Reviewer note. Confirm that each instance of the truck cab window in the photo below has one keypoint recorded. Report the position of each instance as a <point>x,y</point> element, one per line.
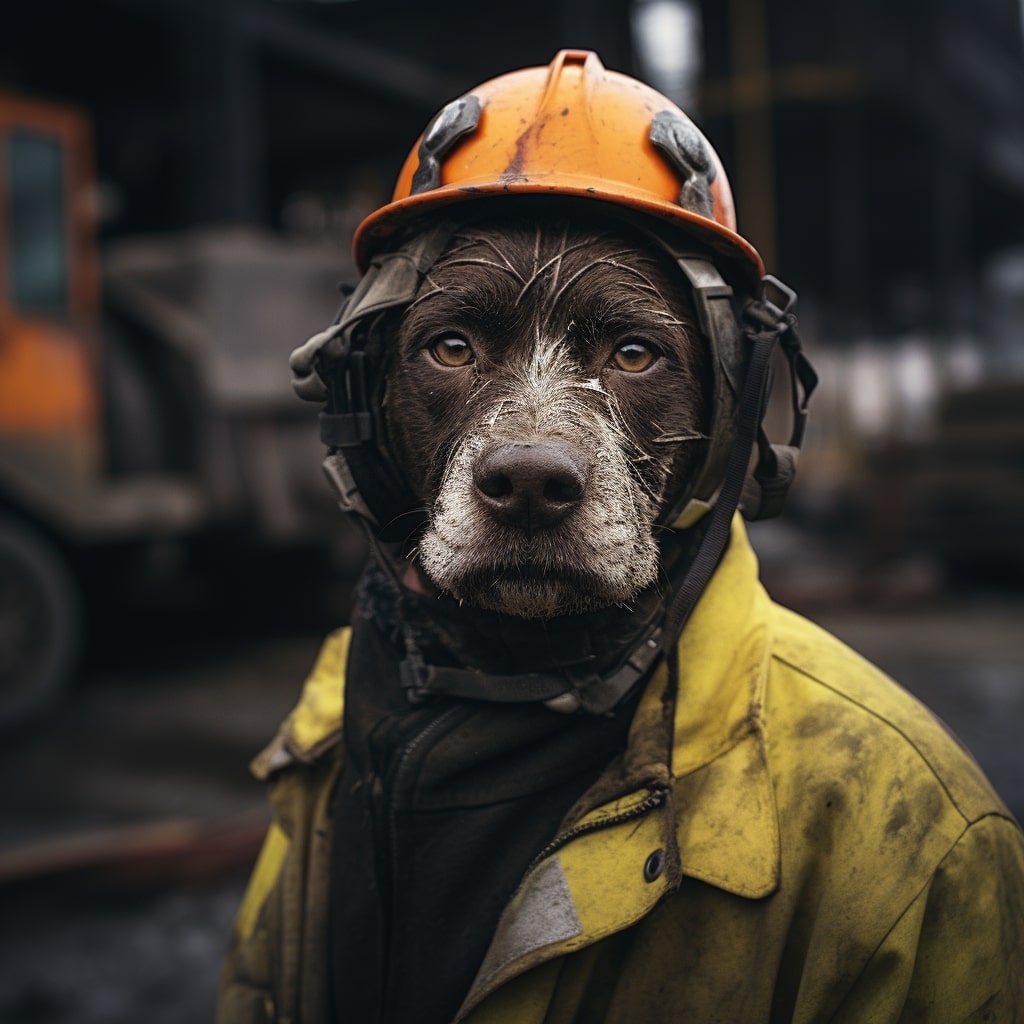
<point>38,257</point>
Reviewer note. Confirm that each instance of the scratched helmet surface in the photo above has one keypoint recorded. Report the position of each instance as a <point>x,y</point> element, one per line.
<point>572,128</point>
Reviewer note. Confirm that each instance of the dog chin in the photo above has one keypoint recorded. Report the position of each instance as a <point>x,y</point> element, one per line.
<point>533,598</point>
<point>535,592</point>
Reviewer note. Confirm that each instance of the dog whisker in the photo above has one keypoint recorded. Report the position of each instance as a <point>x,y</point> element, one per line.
<point>477,261</point>
<point>492,416</point>
<point>681,438</point>
<point>490,243</point>
<point>435,289</point>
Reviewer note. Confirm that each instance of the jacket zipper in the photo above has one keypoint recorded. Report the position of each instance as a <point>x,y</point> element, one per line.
<point>398,779</point>
<point>402,768</point>
<point>656,796</point>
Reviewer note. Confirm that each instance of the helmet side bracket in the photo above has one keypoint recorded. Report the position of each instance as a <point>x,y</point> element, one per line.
<point>731,341</point>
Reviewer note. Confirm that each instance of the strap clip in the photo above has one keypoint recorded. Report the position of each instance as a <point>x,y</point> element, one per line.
<point>782,292</point>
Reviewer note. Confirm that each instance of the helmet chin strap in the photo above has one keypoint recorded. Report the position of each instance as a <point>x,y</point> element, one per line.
<point>584,662</point>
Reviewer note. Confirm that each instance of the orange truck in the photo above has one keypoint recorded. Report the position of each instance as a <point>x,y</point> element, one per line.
<point>144,395</point>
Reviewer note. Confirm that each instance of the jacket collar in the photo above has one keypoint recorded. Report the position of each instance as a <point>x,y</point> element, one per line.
<point>722,795</point>
<point>314,725</point>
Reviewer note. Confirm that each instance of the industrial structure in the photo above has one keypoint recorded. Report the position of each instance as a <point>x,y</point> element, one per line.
<point>206,162</point>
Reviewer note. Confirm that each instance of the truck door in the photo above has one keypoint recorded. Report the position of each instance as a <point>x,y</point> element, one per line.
<point>48,298</point>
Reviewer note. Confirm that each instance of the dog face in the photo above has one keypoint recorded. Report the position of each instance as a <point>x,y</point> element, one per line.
<point>540,398</point>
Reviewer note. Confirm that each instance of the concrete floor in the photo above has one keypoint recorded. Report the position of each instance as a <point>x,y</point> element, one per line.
<point>162,732</point>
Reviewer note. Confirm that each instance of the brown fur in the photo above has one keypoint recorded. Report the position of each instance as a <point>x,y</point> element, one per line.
<point>544,307</point>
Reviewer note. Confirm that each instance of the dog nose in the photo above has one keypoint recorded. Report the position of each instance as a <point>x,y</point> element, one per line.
<point>532,485</point>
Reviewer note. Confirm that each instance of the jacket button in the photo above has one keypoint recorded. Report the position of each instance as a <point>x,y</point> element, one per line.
<point>654,866</point>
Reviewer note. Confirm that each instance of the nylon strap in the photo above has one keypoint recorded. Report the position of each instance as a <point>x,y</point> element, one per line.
<point>597,695</point>
<point>717,535</point>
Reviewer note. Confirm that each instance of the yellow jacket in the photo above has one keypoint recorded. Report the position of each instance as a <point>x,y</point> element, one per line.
<point>810,845</point>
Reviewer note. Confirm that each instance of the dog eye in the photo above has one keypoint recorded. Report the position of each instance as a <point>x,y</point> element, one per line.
<point>633,356</point>
<point>451,350</point>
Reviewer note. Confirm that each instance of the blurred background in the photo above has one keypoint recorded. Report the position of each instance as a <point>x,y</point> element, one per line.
<point>179,181</point>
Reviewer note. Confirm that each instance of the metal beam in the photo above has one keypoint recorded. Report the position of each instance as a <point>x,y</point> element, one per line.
<point>343,56</point>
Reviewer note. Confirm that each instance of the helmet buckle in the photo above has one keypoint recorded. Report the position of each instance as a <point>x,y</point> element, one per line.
<point>776,292</point>
<point>350,422</point>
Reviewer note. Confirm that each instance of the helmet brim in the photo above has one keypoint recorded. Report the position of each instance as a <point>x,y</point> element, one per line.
<point>377,231</point>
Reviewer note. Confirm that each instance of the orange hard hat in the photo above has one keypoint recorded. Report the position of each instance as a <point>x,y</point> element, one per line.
<point>572,128</point>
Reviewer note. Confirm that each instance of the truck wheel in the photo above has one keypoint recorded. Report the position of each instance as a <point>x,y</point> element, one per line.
<point>40,623</point>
